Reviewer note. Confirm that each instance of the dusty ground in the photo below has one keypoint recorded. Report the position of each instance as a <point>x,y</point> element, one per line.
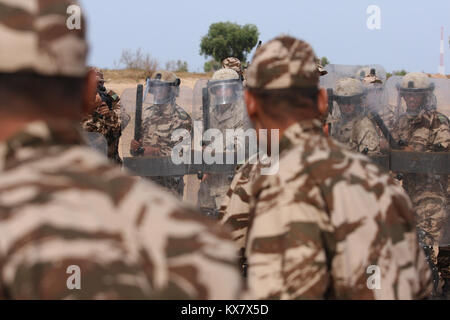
<point>119,80</point>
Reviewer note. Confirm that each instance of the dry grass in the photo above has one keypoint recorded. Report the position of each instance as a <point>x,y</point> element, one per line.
<point>137,75</point>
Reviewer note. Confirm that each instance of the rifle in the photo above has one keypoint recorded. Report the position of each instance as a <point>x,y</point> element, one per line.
<point>386,133</point>
<point>101,90</point>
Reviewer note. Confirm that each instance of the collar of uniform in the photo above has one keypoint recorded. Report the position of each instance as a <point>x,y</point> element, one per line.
<point>40,133</point>
<point>293,135</point>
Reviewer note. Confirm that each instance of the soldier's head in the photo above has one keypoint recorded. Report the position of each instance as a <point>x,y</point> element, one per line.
<point>283,84</point>
<point>224,87</point>
<point>416,89</point>
<point>233,64</point>
<point>164,86</point>
<point>100,77</point>
<point>348,94</point>
<point>43,73</point>
<point>368,76</point>
<point>320,68</point>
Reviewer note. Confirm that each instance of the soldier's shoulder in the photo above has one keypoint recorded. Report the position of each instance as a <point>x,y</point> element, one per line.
<point>442,118</point>
<point>182,113</point>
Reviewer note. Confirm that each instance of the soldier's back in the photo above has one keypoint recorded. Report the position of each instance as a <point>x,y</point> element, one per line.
<point>326,222</point>
<point>64,208</point>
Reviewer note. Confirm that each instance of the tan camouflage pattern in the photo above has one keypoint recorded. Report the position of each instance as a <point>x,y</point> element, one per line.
<point>110,126</point>
<point>328,215</point>
<point>159,123</point>
<point>214,188</point>
<point>234,212</point>
<point>62,204</point>
<point>348,87</point>
<point>359,134</point>
<point>38,39</point>
<point>225,74</point>
<point>233,64</point>
<point>371,79</point>
<point>427,131</point>
<point>420,80</point>
<point>284,62</point>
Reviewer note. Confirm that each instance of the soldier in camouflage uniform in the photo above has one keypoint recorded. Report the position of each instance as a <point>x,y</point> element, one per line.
<point>354,129</point>
<point>227,112</point>
<point>63,205</point>
<point>421,128</point>
<point>233,64</point>
<point>375,99</point>
<point>159,122</point>
<point>106,118</point>
<point>319,224</point>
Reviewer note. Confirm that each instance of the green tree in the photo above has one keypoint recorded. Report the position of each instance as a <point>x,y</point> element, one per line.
<point>396,73</point>
<point>212,65</point>
<point>226,39</point>
<point>324,61</point>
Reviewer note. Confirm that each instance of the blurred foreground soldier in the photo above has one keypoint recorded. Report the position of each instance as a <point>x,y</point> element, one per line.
<point>106,118</point>
<point>328,214</point>
<point>159,122</point>
<point>227,111</point>
<point>354,128</point>
<point>66,213</point>
<point>421,128</point>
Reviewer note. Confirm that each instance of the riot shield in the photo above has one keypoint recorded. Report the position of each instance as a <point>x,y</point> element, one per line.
<point>439,100</point>
<point>339,71</point>
<point>353,109</point>
<point>425,174</point>
<point>96,141</point>
<point>158,137</point>
<point>220,113</point>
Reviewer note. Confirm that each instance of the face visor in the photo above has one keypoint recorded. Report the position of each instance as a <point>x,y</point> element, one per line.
<point>163,92</point>
<point>225,92</point>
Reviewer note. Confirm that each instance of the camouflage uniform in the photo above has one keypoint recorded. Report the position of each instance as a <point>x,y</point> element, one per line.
<point>159,122</point>
<point>157,127</point>
<point>317,225</point>
<point>427,130</point>
<point>357,130</point>
<point>233,64</point>
<point>110,126</point>
<point>214,188</point>
<point>62,205</point>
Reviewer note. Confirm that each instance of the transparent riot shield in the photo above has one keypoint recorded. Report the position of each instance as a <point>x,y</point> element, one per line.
<point>356,111</point>
<point>424,167</point>
<point>96,141</point>
<point>156,144</point>
<point>440,100</point>
<point>220,113</point>
<point>338,71</point>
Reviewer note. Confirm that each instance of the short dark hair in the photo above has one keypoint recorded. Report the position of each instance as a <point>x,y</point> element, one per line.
<point>41,91</point>
<point>282,103</point>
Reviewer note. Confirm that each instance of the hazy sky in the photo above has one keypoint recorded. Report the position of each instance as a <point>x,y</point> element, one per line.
<point>171,30</point>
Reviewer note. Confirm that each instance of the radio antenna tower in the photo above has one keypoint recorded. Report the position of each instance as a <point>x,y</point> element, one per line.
<point>441,65</point>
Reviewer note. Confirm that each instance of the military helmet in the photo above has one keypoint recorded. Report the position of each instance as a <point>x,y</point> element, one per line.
<point>233,64</point>
<point>164,86</point>
<point>223,81</point>
<point>416,82</point>
<point>368,75</point>
<point>348,87</point>
<point>364,72</point>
